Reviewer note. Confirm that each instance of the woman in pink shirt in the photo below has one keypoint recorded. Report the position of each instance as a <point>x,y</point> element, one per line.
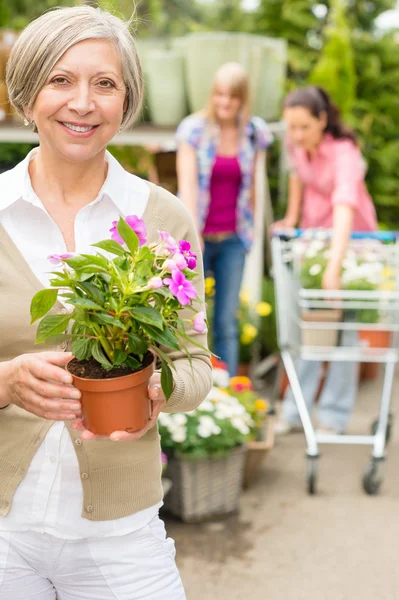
<point>326,189</point>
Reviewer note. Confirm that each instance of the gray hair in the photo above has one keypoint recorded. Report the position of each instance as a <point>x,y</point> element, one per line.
<point>44,41</point>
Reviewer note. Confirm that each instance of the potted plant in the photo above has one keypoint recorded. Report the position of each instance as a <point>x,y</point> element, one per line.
<point>206,456</point>
<point>261,437</point>
<point>124,305</point>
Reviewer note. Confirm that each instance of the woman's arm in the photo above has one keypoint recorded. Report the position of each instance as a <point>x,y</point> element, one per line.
<point>342,227</point>
<point>187,178</point>
<point>295,196</point>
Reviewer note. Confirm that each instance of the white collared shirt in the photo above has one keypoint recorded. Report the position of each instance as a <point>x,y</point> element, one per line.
<point>50,498</point>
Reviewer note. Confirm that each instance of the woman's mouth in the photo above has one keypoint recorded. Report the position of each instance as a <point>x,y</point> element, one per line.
<point>79,130</point>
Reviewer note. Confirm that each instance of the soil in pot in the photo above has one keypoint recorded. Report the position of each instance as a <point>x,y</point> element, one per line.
<point>115,400</point>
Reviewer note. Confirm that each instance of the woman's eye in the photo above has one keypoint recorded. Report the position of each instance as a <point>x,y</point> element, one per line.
<point>60,80</point>
<point>106,84</point>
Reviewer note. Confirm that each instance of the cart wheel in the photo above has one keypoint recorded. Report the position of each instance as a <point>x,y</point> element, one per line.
<point>312,477</point>
<point>371,480</point>
<point>374,428</point>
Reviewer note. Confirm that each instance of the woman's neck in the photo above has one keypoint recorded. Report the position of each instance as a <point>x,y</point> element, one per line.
<point>59,181</point>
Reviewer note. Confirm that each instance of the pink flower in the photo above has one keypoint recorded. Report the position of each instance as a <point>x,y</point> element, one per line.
<point>56,259</point>
<point>136,224</point>
<point>170,264</point>
<point>181,287</point>
<point>155,283</point>
<point>169,242</point>
<point>191,257</point>
<point>180,261</point>
<point>199,322</point>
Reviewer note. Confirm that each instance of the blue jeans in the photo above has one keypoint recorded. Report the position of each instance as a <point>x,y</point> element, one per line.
<point>339,392</point>
<point>226,260</point>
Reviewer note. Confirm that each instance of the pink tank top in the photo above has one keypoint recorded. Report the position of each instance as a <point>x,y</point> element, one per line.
<point>224,190</point>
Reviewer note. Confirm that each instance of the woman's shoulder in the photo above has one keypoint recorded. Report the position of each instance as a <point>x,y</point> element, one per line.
<point>191,128</point>
<point>167,212</point>
<point>343,144</point>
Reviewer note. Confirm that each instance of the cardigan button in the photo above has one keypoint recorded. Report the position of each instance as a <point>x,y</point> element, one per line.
<point>64,345</point>
<point>90,508</point>
<point>78,442</point>
<point>85,476</point>
<point>64,311</point>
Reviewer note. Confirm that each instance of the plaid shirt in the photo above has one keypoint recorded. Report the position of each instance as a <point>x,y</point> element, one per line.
<point>198,132</point>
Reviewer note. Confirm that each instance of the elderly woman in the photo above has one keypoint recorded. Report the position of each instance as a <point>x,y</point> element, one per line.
<point>78,516</point>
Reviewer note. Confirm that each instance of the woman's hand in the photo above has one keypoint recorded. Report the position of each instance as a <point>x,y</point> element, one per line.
<point>39,384</point>
<point>332,277</point>
<point>286,223</point>
<point>158,401</point>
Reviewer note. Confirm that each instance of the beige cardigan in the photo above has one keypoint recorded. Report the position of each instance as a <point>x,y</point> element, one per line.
<point>118,478</point>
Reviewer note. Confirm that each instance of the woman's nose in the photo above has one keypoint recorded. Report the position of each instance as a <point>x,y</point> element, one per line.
<point>82,101</point>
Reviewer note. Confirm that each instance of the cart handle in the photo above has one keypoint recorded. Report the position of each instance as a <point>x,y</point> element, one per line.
<point>381,236</point>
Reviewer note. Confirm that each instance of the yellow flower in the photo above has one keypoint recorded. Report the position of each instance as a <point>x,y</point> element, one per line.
<point>261,405</point>
<point>388,273</point>
<point>249,330</point>
<point>210,286</point>
<point>263,309</point>
<point>244,297</point>
<point>388,286</point>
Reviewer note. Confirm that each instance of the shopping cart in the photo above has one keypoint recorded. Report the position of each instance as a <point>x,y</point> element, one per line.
<point>302,334</point>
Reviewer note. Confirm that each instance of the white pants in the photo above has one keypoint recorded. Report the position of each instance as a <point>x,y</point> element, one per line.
<point>137,566</point>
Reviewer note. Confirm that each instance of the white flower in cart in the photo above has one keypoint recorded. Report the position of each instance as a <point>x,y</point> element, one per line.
<point>315,269</point>
<point>179,434</point>
<point>239,424</point>
<point>207,427</point>
<point>220,378</point>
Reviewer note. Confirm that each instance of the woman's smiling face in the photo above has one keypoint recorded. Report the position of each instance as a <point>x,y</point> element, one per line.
<point>81,106</point>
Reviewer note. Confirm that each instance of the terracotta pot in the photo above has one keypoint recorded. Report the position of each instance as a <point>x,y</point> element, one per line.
<point>118,404</point>
<point>373,338</point>
<point>320,336</point>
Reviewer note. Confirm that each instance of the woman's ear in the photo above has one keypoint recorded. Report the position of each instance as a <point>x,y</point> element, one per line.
<point>323,118</point>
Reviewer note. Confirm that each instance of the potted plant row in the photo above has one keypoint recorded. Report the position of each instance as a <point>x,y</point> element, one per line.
<point>124,302</point>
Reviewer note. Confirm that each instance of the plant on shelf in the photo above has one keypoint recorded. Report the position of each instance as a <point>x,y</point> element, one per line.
<point>124,304</point>
<point>258,408</point>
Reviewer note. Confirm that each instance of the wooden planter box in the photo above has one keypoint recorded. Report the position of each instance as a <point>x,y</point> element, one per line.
<point>206,488</point>
<point>256,454</point>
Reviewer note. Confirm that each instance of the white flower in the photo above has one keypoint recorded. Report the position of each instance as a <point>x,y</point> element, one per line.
<point>315,269</point>
<point>239,424</point>
<point>179,419</point>
<point>220,378</point>
<point>206,405</point>
<point>179,434</point>
<point>207,427</point>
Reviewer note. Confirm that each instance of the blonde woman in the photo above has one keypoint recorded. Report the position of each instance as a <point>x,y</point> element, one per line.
<point>78,516</point>
<point>217,151</point>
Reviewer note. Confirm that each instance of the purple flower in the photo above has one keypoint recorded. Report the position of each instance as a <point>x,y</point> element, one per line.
<point>170,264</point>
<point>169,242</point>
<point>136,224</point>
<point>56,259</point>
<point>164,458</point>
<point>180,261</point>
<point>191,257</point>
<point>199,323</point>
<point>181,287</point>
<point>155,283</point>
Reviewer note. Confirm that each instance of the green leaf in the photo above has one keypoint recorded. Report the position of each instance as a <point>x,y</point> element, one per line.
<point>107,320</point>
<point>99,355</point>
<point>76,262</point>
<point>85,303</point>
<point>41,303</point>
<point>164,357</point>
<point>166,380</point>
<point>119,357</point>
<point>111,246</point>
<point>54,340</point>
<point>133,363</point>
<point>127,234</point>
<point>95,259</point>
<point>136,344</point>
<point>51,325</point>
<point>93,291</point>
<point>81,348</point>
<point>166,337</point>
<point>147,314</point>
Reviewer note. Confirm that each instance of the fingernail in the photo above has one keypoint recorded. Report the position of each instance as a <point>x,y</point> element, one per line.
<point>156,390</point>
<point>75,406</point>
<point>67,379</point>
